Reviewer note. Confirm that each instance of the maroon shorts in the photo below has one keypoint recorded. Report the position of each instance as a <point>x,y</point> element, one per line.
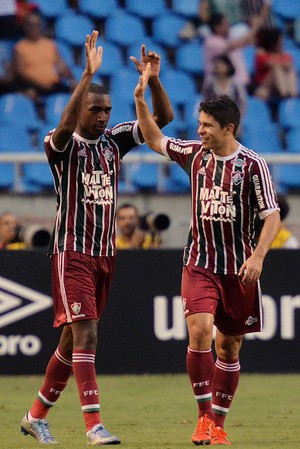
<point>237,308</point>
<point>80,286</point>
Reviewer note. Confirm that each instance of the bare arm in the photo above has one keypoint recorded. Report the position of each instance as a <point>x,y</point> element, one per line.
<point>70,115</point>
<point>150,130</point>
<point>162,108</point>
<point>251,269</point>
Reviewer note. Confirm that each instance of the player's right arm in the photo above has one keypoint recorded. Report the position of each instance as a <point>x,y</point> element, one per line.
<point>151,132</point>
<point>71,113</point>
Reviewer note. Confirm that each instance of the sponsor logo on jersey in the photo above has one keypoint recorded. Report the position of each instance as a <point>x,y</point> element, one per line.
<point>217,204</point>
<point>239,163</point>
<point>181,149</point>
<point>258,192</point>
<point>97,187</point>
<point>121,128</point>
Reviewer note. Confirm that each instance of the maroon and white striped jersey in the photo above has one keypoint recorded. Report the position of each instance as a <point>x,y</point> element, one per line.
<point>227,194</point>
<point>86,183</point>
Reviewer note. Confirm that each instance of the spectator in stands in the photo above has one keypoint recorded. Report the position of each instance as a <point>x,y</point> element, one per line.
<point>284,239</point>
<point>129,233</point>
<point>240,16</point>
<point>12,14</point>
<point>9,232</point>
<point>219,43</point>
<point>275,73</point>
<point>38,67</point>
<point>222,82</point>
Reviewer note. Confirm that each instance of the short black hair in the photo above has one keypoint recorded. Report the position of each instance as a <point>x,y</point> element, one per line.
<point>215,20</point>
<point>227,61</point>
<point>98,89</point>
<point>224,110</point>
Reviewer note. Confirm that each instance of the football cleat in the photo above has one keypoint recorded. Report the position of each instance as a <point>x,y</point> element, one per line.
<point>98,435</point>
<point>203,433</point>
<point>219,436</point>
<point>38,430</point>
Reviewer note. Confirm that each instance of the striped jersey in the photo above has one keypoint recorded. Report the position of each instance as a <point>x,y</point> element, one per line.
<point>86,183</point>
<point>227,195</point>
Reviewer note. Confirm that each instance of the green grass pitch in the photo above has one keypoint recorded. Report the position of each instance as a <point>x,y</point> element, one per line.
<point>158,412</point>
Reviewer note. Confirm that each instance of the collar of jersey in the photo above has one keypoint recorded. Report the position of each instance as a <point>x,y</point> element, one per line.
<point>86,140</point>
<point>231,156</point>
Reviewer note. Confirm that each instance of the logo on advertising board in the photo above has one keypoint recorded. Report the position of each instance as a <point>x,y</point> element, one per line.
<point>18,302</point>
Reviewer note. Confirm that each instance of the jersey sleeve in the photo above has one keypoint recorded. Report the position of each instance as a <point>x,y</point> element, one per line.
<point>263,189</point>
<point>126,136</point>
<point>180,151</point>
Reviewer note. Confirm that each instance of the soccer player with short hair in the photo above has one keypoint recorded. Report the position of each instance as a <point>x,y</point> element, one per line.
<point>223,261</point>
<point>85,158</point>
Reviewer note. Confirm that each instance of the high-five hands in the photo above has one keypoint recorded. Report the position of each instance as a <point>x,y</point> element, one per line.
<point>147,57</point>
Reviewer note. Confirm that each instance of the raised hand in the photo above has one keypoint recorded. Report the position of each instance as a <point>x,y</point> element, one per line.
<point>147,57</point>
<point>93,54</point>
<point>143,81</point>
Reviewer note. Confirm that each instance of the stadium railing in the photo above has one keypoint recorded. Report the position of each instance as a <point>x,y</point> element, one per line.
<point>274,161</point>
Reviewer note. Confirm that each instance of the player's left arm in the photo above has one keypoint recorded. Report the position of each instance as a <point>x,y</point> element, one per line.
<point>251,269</point>
<point>161,105</point>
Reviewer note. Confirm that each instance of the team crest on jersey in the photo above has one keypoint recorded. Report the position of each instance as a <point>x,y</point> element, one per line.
<point>251,320</point>
<point>76,307</point>
<point>237,177</point>
<point>107,153</point>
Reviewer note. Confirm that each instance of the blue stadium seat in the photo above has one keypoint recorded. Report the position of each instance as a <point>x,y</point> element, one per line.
<point>289,177</point>
<point>293,140</point>
<point>189,57</point>
<point>179,85</point>
<point>289,113</point>
<point>7,175</point>
<point>249,58</point>
<point>144,176</point>
<point>178,180</point>
<point>37,176</point>
<point>18,109</point>
<point>52,9</point>
<point>286,9</point>
<point>112,58</point>
<point>257,113</point>
<point>14,139</point>
<point>122,111</point>
<point>124,29</point>
<point>54,106</point>
<point>166,29</point>
<point>98,10</point>
<point>123,83</point>
<point>72,28</point>
<point>152,9</point>
<point>262,139</point>
<point>66,52</point>
<point>186,8</point>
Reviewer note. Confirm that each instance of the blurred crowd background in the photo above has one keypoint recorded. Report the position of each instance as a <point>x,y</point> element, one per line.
<point>249,49</point>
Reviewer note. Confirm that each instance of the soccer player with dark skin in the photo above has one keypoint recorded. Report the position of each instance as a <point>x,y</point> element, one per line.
<point>230,184</point>
<point>85,158</point>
